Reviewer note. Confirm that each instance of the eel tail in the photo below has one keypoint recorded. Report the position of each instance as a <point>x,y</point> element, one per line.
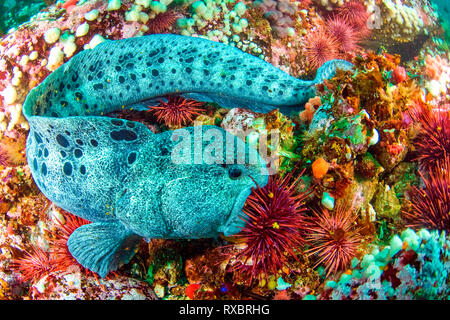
<point>329,68</point>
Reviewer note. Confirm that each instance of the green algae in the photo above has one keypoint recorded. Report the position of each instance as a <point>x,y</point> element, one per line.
<point>13,13</point>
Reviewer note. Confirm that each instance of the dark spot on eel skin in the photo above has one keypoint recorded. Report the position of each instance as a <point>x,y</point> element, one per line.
<point>132,158</point>
<point>94,143</point>
<point>44,169</point>
<point>117,122</point>
<point>38,137</point>
<point>98,86</point>
<point>62,141</point>
<point>67,168</point>
<point>164,151</point>
<point>124,134</point>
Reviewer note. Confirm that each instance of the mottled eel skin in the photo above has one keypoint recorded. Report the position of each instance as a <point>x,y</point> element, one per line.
<point>121,176</point>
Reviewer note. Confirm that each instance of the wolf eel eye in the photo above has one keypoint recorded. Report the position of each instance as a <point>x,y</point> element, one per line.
<point>234,172</point>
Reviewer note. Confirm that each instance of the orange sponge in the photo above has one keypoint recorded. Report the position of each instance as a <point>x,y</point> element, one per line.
<point>320,168</point>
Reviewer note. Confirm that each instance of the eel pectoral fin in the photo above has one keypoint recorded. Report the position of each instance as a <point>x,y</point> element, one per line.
<point>103,246</point>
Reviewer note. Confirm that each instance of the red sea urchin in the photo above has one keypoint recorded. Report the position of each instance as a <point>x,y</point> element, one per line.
<point>320,47</point>
<point>433,142</point>
<point>177,111</point>
<point>34,265</point>
<point>355,13</point>
<point>430,206</point>
<point>60,252</point>
<point>162,22</point>
<point>344,34</point>
<point>274,227</point>
<point>333,238</point>
<point>62,258</point>
<point>38,263</point>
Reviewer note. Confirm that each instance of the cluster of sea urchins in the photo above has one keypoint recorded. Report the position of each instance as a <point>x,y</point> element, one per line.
<point>36,263</point>
<point>430,204</point>
<point>340,35</point>
<point>277,228</point>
